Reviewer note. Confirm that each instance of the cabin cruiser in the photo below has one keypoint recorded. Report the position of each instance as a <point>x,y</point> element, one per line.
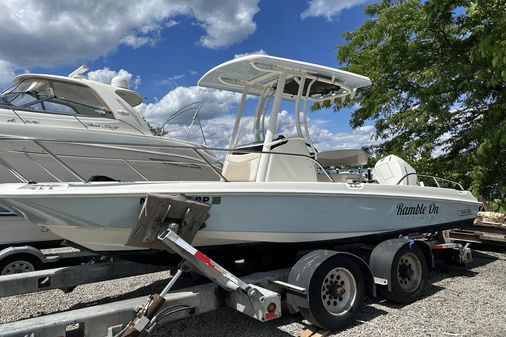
<point>70,128</point>
<point>274,191</point>
<point>56,128</point>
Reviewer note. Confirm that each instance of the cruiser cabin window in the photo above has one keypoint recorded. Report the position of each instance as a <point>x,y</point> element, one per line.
<point>55,97</point>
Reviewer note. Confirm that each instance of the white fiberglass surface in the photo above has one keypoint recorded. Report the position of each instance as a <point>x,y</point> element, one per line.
<point>15,229</point>
<point>299,212</point>
<point>217,188</point>
<point>107,220</point>
<point>101,215</point>
<point>254,68</point>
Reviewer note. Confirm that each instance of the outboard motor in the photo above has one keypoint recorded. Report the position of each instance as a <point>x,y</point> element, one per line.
<point>391,169</point>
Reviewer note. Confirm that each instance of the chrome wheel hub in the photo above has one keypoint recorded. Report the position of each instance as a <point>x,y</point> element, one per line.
<point>339,291</point>
<point>409,272</point>
<point>17,267</point>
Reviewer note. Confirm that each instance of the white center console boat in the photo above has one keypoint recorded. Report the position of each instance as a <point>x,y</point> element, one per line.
<point>276,191</point>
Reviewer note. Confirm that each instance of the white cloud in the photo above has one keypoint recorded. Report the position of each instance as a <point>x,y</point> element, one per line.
<point>216,130</point>
<point>172,80</point>
<point>225,21</point>
<point>176,77</point>
<point>215,104</point>
<point>7,74</point>
<point>57,32</point>
<point>328,8</point>
<point>258,52</point>
<point>354,139</point>
<point>105,75</point>
<point>148,34</point>
<point>219,130</point>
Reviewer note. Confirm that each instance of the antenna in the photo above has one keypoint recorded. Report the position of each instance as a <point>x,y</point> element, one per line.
<point>78,73</point>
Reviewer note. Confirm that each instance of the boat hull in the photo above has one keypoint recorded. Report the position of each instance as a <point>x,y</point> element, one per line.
<point>101,217</point>
<point>91,153</point>
<point>16,231</point>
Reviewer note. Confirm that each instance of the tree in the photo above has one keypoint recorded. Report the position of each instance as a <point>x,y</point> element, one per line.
<point>438,96</point>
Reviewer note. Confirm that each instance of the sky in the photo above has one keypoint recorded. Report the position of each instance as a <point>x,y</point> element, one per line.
<point>164,47</point>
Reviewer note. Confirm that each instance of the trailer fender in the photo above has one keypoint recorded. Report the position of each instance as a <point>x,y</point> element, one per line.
<point>380,262</point>
<point>303,270</point>
<point>21,259</point>
<point>26,250</point>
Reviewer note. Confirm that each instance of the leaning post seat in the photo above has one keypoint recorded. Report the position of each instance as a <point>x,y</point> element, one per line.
<point>241,166</point>
<point>244,166</point>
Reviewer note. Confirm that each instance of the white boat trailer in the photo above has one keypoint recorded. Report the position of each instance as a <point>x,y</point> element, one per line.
<point>318,285</point>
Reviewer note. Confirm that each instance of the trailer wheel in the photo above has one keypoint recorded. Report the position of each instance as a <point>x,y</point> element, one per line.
<point>22,263</point>
<point>336,292</point>
<point>409,276</point>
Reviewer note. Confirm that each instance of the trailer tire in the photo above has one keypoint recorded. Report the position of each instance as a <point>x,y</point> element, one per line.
<point>336,292</point>
<point>408,276</point>
<point>20,263</point>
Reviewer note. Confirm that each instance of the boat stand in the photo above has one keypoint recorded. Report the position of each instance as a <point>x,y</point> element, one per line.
<point>163,222</point>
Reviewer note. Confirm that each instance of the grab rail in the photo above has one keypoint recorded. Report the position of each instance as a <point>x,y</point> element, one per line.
<point>55,157</point>
<point>37,111</point>
<point>76,117</point>
<point>430,176</point>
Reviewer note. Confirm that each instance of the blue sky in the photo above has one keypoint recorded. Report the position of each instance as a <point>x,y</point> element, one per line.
<point>163,47</point>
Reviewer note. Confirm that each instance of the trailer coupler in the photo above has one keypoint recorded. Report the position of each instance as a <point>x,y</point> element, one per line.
<point>148,315</point>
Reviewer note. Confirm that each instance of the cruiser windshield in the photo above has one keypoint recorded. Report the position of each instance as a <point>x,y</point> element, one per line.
<point>55,97</point>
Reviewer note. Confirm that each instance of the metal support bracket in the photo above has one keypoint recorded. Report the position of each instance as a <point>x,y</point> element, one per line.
<point>170,223</point>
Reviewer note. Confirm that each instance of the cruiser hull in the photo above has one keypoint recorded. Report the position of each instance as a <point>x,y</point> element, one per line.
<point>16,231</point>
<point>75,156</point>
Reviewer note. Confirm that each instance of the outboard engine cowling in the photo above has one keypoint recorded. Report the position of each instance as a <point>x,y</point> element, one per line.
<point>391,169</point>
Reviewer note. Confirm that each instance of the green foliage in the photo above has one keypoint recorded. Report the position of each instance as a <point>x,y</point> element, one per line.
<point>498,205</point>
<point>438,97</point>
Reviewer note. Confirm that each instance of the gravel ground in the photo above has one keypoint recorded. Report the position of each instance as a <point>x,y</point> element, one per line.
<point>458,303</point>
<point>60,250</point>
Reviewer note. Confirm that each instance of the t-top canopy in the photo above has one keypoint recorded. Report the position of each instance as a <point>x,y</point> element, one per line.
<point>260,72</point>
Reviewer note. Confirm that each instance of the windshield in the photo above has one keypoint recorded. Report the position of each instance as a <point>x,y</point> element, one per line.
<point>55,97</point>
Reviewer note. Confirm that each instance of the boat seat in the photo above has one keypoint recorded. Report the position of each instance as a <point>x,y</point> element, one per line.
<point>241,167</point>
<point>244,166</point>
